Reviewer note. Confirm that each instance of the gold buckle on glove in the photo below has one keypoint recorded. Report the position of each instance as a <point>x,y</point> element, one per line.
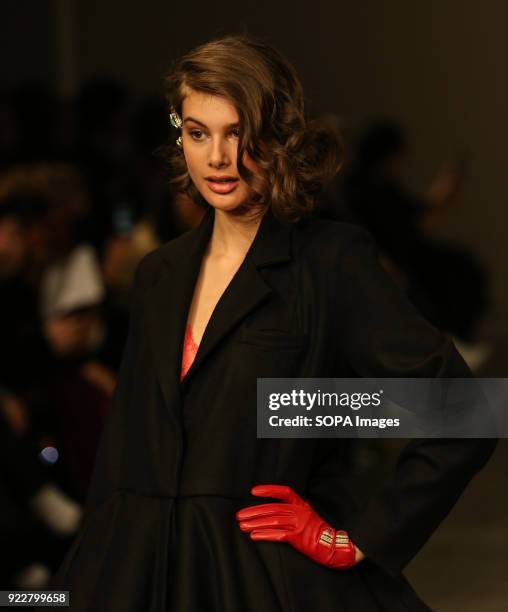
<point>341,539</point>
<point>326,536</point>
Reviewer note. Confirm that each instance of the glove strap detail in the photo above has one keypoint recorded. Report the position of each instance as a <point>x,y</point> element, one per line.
<point>342,540</point>
<point>326,537</point>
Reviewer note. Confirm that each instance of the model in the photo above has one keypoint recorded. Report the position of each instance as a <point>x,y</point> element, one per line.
<point>188,510</point>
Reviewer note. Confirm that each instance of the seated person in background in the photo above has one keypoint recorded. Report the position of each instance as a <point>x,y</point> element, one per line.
<point>445,282</point>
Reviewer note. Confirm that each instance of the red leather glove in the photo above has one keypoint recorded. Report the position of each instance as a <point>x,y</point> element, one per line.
<point>296,523</point>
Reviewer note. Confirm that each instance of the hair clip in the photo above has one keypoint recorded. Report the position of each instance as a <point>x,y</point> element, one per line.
<point>175,119</point>
<point>179,141</point>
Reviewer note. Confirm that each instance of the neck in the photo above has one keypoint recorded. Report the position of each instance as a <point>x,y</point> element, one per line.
<point>232,235</point>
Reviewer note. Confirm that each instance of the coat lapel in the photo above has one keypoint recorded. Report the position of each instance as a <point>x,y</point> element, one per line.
<point>168,301</point>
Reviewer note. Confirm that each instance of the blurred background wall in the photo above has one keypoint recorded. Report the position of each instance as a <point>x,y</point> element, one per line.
<point>436,65</point>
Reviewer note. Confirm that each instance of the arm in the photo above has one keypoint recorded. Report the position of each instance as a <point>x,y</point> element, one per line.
<point>382,335</point>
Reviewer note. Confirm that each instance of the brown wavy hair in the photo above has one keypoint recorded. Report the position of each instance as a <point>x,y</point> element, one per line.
<point>297,156</point>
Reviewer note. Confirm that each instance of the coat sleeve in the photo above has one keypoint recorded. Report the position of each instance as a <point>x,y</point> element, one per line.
<point>381,334</point>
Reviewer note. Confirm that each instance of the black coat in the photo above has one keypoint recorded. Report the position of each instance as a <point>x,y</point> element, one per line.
<point>177,460</point>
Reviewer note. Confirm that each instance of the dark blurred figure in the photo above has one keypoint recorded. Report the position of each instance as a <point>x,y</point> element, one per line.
<point>9,133</point>
<point>103,153</point>
<point>38,519</point>
<point>35,114</point>
<point>24,350</point>
<point>160,215</point>
<point>446,283</point>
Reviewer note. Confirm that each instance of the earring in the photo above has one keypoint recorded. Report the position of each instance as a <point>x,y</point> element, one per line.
<point>179,141</point>
<point>175,119</point>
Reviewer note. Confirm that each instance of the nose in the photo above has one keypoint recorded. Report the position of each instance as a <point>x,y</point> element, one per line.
<point>219,157</point>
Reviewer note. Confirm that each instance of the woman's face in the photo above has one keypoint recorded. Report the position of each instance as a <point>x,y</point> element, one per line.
<point>210,136</point>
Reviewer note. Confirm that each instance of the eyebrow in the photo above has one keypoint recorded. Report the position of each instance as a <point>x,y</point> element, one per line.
<point>229,125</point>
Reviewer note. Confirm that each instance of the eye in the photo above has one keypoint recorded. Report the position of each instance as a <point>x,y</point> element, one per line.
<point>235,132</point>
<point>196,134</point>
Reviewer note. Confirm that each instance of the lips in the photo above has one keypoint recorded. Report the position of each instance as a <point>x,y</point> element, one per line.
<point>222,184</point>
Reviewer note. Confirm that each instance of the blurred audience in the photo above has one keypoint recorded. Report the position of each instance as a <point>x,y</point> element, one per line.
<point>38,518</point>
